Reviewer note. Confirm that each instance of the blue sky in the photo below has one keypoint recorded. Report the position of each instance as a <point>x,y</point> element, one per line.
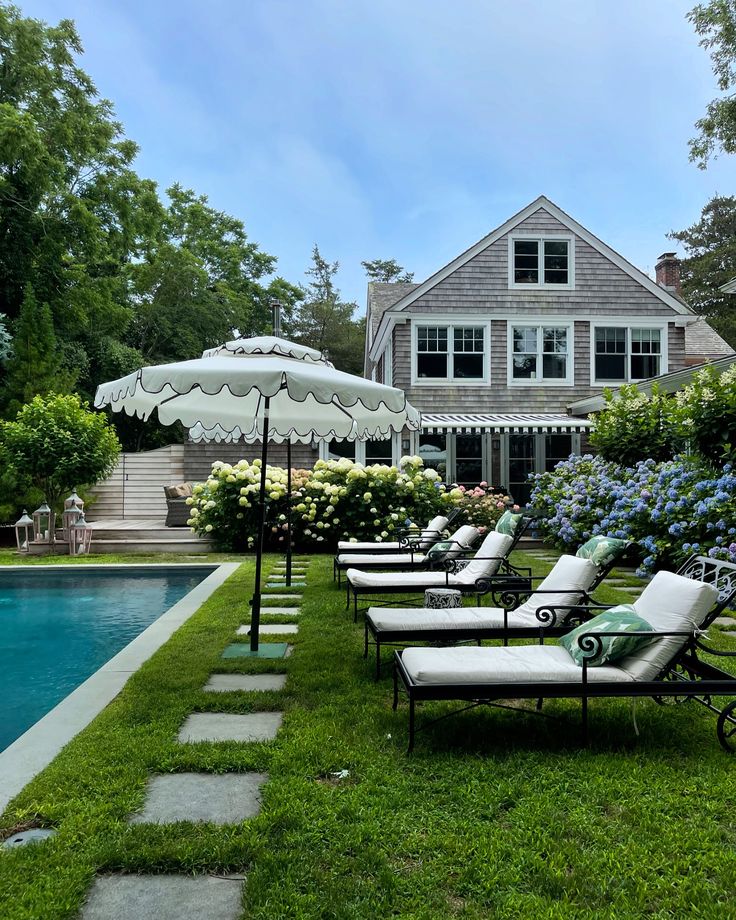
<point>409,129</point>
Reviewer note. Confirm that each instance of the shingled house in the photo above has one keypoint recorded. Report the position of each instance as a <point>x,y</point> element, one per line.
<point>496,345</point>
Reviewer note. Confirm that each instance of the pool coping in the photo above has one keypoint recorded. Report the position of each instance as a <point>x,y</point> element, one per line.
<point>38,746</point>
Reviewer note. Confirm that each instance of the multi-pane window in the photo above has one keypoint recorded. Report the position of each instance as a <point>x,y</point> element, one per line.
<point>540,353</point>
<point>432,351</point>
<point>445,352</point>
<point>623,354</point>
<point>379,452</point>
<point>467,356</point>
<point>541,262</point>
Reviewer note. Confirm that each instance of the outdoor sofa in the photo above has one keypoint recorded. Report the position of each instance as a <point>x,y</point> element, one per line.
<point>677,607</point>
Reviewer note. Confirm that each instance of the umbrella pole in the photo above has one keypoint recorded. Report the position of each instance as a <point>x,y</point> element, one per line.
<point>255,617</point>
<point>288,512</point>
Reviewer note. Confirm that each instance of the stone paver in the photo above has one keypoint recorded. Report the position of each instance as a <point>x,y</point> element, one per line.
<point>163,897</point>
<point>228,726</point>
<point>225,798</point>
<point>725,621</point>
<point>227,683</point>
<point>294,584</point>
<point>281,597</point>
<point>283,578</point>
<point>293,611</point>
<point>265,650</point>
<point>270,629</point>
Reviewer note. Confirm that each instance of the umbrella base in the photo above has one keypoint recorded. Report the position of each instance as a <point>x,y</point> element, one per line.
<point>265,650</point>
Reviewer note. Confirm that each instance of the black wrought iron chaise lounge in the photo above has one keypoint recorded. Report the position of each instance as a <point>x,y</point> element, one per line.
<point>489,565</point>
<point>676,607</point>
<point>519,613</point>
<point>406,538</point>
<point>410,560</point>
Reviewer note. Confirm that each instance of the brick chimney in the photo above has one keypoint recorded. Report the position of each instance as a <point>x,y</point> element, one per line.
<point>668,272</point>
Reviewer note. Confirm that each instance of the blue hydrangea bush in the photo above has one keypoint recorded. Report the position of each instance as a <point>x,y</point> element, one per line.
<point>670,508</point>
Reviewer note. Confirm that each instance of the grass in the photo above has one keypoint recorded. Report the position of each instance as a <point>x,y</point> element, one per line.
<point>497,814</point>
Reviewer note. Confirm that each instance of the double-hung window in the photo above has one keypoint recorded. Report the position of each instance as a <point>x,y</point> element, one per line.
<point>451,352</point>
<point>541,354</point>
<point>622,354</point>
<point>541,262</point>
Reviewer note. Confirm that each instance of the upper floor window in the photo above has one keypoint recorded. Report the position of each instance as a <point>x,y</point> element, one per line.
<point>450,353</point>
<point>541,354</point>
<point>622,354</point>
<point>541,262</point>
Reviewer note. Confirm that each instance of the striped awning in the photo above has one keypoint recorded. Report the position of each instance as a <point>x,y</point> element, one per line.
<point>516,422</point>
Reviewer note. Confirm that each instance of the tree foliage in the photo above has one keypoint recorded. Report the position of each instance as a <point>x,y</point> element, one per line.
<point>56,444</point>
<point>710,244</point>
<point>387,271</point>
<point>715,23</point>
<point>324,321</point>
<point>634,427</point>
<point>6,338</point>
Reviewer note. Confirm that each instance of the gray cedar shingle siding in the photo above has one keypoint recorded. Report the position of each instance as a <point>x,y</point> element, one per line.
<point>481,287</point>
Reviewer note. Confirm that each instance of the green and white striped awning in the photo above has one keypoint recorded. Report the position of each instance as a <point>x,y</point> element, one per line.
<point>543,422</point>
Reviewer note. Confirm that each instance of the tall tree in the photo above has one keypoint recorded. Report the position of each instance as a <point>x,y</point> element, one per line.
<point>324,321</point>
<point>715,23</point>
<point>386,270</point>
<point>35,366</point>
<point>710,244</point>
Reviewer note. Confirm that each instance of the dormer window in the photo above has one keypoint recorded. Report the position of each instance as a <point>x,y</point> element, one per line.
<point>540,262</point>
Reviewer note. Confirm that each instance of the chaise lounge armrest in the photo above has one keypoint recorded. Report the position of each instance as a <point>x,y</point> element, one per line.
<point>549,615</point>
<point>591,644</point>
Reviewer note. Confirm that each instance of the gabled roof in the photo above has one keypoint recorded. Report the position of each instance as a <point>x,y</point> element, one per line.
<point>543,203</point>
<point>702,341</point>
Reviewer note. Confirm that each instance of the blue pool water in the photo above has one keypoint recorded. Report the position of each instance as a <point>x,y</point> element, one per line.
<point>58,627</point>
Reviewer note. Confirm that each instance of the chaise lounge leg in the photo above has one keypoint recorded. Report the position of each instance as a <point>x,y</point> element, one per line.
<point>355,606</point>
<point>396,688</point>
<point>347,595</point>
<point>365,641</point>
<point>410,748</point>
<point>540,702</point>
<point>378,659</point>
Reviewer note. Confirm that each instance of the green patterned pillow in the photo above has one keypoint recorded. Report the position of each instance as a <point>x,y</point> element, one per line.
<point>439,550</point>
<point>623,618</point>
<point>602,550</point>
<point>508,523</point>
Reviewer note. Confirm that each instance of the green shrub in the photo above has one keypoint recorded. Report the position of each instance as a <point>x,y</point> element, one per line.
<point>634,426</point>
<point>706,414</point>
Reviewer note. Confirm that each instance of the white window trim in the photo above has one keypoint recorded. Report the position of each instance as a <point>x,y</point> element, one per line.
<point>388,364</point>
<point>395,441</point>
<point>538,323</point>
<point>450,324</point>
<point>658,323</point>
<point>540,238</point>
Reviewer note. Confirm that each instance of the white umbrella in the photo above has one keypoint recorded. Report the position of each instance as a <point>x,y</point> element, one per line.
<point>273,394</point>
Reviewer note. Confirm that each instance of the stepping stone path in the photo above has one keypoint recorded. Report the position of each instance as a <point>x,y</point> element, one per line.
<point>165,897</point>
<point>228,726</point>
<point>725,621</point>
<point>270,629</point>
<point>225,798</point>
<point>281,597</point>
<point>227,683</point>
<point>292,611</point>
<point>294,584</point>
<point>265,650</point>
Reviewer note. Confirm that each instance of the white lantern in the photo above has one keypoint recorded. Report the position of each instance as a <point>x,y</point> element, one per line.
<point>80,537</point>
<point>44,521</point>
<point>23,531</point>
<point>70,516</point>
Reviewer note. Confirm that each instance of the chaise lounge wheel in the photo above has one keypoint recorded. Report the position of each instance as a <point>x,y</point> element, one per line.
<point>726,728</point>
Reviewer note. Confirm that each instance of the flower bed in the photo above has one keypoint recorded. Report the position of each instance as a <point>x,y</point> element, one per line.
<point>671,509</point>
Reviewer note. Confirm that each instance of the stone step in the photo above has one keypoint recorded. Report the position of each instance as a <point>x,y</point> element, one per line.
<point>165,897</point>
<point>281,597</point>
<point>270,629</point>
<point>230,683</point>
<point>292,611</point>
<point>229,726</point>
<point>194,545</point>
<point>225,798</point>
<point>142,533</point>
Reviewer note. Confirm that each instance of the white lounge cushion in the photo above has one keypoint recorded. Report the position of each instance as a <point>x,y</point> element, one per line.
<point>566,583</point>
<point>462,539</point>
<point>508,665</point>
<point>378,559</point>
<point>367,546</point>
<point>496,545</point>
<point>433,532</point>
<point>669,602</point>
<point>398,618</point>
<point>412,581</point>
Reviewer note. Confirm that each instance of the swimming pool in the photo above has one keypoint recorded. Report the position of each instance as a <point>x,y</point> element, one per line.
<point>58,626</point>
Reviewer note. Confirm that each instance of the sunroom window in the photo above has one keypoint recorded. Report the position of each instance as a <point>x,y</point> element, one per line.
<point>541,262</point>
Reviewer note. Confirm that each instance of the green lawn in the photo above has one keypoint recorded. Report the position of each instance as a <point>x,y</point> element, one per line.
<point>497,814</point>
